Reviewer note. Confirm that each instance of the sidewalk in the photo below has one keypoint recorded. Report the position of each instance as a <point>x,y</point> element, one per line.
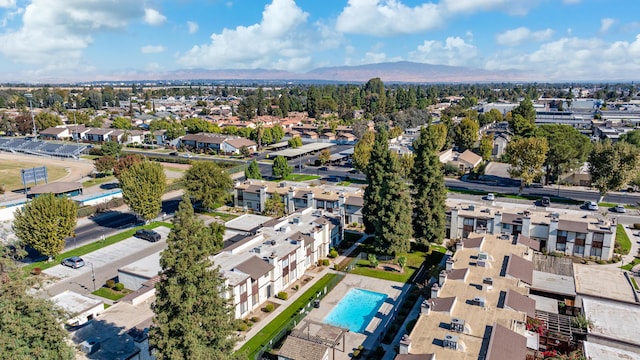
<point>284,303</point>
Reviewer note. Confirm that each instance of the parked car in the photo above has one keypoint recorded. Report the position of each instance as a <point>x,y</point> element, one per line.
<point>324,168</point>
<point>73,262</point>
<point>490,197</point>
<point>619,209</point>
<point>354,171</point>
<point>148,235</point>
<point>591,205</point>
<point>545,201</point>
<point>187,155</point>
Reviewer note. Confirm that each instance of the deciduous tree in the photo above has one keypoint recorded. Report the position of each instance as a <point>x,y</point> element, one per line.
<point>466,134</point>
<point>613,165</point>
<point>193,318</point>
<point>324,156</point>
<point>486,146</point>
<point>126,162</point>
<point>45,222</point>
<point>104,164</point>
<point>46,120</point>
<point>362,151</point>
<point>253,170</point>
<point>208,183</point>
<point>142,187</point>
<point>526,157</point>
<point>122,123</point>
<point>568,148</point>
<point>111,148</point>
<point>281,168</point>
<point>274,206</point>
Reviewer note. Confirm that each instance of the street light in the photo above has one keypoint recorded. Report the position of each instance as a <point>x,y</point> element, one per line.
<point>33,120</point>
<point>93,276</point>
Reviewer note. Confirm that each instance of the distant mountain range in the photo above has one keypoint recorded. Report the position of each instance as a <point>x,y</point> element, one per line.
<point>401,71</point>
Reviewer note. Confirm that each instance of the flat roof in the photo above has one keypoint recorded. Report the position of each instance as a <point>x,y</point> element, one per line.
<point>75,303</point>
<point>554,284</point>
<point>146,267</point>
<point>593,350</point>
<point>55,187</point>
<point>613,321</point>
<point>429,331</point>
<point>545,304</point>
<point>602,282</point>
<point>247,222</point>
<point>304,149</point>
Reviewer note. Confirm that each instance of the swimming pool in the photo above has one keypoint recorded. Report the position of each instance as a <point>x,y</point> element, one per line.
<point>355,310</point>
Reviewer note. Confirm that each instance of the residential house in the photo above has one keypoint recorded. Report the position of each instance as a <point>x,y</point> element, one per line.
<point>103,135</point>
<point>346,138</point>
<point>160,136</point>
<point>234,145</point>
<point>135,137</point>
<point>203,141</point>
<point>328,136</point>
<point>56,133</point>
<point>465,162</point>
<point>500,142</point>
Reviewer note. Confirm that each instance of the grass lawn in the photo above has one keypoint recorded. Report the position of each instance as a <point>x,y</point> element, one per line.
<point>222,215</point>
<point>352,237</point>
<point>298,177</point>
<point>111,294</point>
<point>92,247</point>
<point>89,157</point>
<point>610,205</point>
<point>262,338</point>
<point>414,260</point>
<point>12,177</point>
<point>622,239</point>
<point>635,284</point>
<point>630,265</point>
<point>553,199</point>
<point>98,181</point>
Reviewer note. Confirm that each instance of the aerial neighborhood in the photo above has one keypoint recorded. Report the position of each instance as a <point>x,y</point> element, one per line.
<point>314,221</point>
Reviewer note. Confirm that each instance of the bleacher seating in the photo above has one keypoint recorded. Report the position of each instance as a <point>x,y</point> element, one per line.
<point>40,147</point>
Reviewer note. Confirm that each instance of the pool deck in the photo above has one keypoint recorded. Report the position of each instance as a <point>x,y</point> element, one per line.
<point>373,333</point>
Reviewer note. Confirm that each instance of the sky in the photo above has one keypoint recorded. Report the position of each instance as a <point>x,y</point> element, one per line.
<point>91,39</point>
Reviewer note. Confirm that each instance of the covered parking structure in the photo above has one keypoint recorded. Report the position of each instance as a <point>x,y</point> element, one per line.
<point>302,150</point>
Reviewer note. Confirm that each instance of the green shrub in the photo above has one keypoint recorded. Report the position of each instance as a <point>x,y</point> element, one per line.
<point>282,295</point>
<point>36,271</point>
<point>636,226</point>
<point>255,319</point>
<point>269,308</point>
<point>325,262</point>
<point>297,287</point>
<point>601,262</point>
<point>119,287</point>
<point>333,253</point>
<point>110,283</point>
<point>242,326</point>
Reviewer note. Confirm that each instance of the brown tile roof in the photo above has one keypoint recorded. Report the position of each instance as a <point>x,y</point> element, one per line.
<point>470,157</point>
<point>55,187</point>
<point>300,349</point>
<point>573,226</point>
<point>527,241</point>
<point>519,302</point>
<point>472,242</point>
<point>457,274</point>
<point>442,304</point>
<point>520,268</point>
<point>254,189</point>
<point>240,142</point>
<point>354,200</point>
<point>205,138</point>
<point>53,131</point>
<point>415,357</point>
<point>506,344</point>
<point>255,267</point>
<point>511,218</point>
<point>94,131</point>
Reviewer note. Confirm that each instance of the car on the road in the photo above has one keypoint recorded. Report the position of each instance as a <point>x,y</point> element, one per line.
<point>148,235</point>
<point>74,262</point>
<point>591,205</point>
<point>324,168</point>
<point>545,201</point>
<point>354,171</point>
<point>187,155</point>
<point>109,186</point>
<point>619,209</point>
<point>490,197</point>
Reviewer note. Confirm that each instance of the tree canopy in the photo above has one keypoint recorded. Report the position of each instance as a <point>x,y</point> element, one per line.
<point>208,183</point>
<point>143,185</point>
<point>44,223</point>
<point>466,134</point>
<point>281,168</point>
<point>568,148</point>
<point>274,206</point>
<point>613,165</point>
<point>362,151</point>
<point>526,157</point>
<point>253,171</point>
<point>111,148</point>
<point>105,164</point>
<point>193,318</point>
<point>324,156</point>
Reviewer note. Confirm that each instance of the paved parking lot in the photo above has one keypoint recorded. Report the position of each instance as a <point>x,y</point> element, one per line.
<point>107,255</point>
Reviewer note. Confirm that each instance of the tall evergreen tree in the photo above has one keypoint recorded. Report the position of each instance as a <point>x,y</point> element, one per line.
<point>375,170</point>
<point>142,187</point>
<point>253,171</point>
<point>193,319</point>
<point>430,193</point>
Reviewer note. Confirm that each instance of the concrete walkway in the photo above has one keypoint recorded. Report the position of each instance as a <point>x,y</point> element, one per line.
<point>285,303</point>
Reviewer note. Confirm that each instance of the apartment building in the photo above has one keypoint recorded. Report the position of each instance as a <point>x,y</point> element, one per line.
<point>573,233</point>
<point>479,306</point>
<point>263,256</point>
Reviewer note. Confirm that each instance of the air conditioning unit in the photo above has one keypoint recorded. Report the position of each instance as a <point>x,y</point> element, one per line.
<point>483,255</point>
<point>479,301</point>
<point>451,342</point>
<point>457,325</point>
<point>487,281</point>
<point>481,263</point>
<point>471,207</point>
<point>90,346</point>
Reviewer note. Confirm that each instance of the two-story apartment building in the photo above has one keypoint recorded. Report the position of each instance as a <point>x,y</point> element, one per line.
<point>216,142</point>
<point>572,233</point>
<point>258,264</point>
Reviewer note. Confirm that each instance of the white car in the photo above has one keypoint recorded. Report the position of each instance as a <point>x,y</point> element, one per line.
<point>619,209</point>
<point>490,197</point>
<point>591,205</point>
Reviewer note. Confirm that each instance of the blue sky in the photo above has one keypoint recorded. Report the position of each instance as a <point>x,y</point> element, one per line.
<point>95,39</point>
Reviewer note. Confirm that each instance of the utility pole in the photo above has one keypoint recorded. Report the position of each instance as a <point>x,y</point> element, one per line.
<point>33,121</point>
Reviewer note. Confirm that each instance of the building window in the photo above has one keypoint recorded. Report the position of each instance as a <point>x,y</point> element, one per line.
<point>598,237</point>
<point>596,248</point>
<point>561,242</point>
<point>243,288</point>
<point>467,221</point>
<point>285,263</point>
<point>254,299</point>
<point>243,307</point>
<point>578,248</point>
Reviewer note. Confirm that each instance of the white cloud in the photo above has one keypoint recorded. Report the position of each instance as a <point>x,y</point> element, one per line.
<point>388,17</point>
<point>606,23</point>
<point>282,40</point>
<point>513,7</point>
<point>153,17</point>
<point>193,27</point>
<point>7,3</point>
<point>520,35</point>
<point>454,51</point>
<point>573,58</point>
<point>55,32</point>
<point>152,49</point>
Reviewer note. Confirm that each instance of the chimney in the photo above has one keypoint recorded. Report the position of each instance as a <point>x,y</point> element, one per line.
<point>425,308</point>
<point>435,291</point>
<point>497,223</point>
<point>526,225</point>
<point>442,277</point>
<point>449,264</point>
<point>405,344</point>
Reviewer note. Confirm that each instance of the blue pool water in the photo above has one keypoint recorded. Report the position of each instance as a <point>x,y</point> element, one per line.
<point>355,310</point>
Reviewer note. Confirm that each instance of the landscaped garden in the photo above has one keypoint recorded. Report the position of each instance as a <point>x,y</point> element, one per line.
<point>622,240</point>
<point>112,291</point>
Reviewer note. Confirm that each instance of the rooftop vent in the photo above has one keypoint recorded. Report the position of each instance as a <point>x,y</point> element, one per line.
<point>479,301</point>
<point>487,281</point>
<point>481,263</point>
<point>273,242</point>
<point>483,255</point>
<point>296,220</point>
<point>257,250</point>
<point>471,207</point>
<point>451,342</point>
<point>457,325</point>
